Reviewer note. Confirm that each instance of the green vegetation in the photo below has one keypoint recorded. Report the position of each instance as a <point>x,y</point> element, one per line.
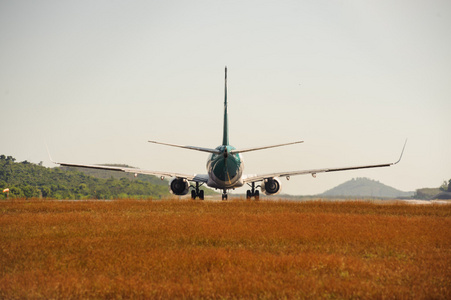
<point>28,180</point>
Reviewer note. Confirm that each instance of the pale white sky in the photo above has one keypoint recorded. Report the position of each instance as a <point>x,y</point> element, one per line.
<point>353,79</point>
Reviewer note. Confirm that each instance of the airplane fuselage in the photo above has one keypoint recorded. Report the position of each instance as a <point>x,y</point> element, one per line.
<point>225,170</point>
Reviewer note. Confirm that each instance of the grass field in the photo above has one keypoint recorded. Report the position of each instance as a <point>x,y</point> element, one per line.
<point>234,249</point>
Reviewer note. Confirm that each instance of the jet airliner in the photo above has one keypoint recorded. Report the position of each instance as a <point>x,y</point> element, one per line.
<point>225,169</point>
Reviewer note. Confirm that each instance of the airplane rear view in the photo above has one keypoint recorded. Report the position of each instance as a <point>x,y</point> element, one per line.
<point>225,168</point>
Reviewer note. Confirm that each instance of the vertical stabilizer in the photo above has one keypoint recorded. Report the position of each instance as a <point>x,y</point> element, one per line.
<point>225,137</point>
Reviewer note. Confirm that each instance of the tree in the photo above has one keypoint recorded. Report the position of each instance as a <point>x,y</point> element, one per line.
<point>30,191</point>
<point>16,192</point>
<point>83,189</point>
<point>46,191</point>
<point>444,187</point>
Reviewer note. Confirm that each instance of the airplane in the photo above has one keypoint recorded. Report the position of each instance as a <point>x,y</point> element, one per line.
<point>225,168</point>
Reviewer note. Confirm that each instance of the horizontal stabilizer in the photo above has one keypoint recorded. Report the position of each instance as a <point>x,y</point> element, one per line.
<point>215,151</point>
<point>264,147</point>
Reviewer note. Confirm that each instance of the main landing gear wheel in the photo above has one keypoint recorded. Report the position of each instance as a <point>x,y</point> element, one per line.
<point>255,194</point>
<point>252,192</point>
<point>197,192</point>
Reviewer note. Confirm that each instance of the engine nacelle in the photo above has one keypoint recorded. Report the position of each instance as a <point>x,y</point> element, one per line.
<point>179,186</point>
<point>271,186</point>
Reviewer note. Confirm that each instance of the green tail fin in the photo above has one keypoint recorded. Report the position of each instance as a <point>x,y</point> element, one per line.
<point>225,137</point>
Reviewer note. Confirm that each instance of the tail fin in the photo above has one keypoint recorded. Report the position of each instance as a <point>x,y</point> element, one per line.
<point>225,137</point>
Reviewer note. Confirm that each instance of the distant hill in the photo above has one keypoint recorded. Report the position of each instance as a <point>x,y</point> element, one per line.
<point>365,187</point>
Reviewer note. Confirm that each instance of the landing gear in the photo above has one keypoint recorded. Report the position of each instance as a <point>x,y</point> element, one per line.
<point>197,192</point>
<point>252,192</point>
<point>224,195</point>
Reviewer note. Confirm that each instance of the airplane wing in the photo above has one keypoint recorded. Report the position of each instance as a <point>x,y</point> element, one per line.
<point>254,178</point>
<point>189,177</point>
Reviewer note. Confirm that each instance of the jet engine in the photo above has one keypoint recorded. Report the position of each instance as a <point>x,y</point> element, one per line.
<point>179,186</point>
<point>271,186</point>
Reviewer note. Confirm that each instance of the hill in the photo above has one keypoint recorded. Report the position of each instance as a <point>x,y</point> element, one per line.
<point>365,187</point>
<point>28,180</point>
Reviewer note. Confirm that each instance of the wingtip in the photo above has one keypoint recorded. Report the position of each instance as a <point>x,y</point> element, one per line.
<point>402,152</point>
<point>48,152</point>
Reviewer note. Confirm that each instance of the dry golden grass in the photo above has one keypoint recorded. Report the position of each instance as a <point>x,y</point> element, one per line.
<point>234,249</point>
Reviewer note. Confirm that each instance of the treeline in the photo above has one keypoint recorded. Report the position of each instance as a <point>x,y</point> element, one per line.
<point>28,180</point>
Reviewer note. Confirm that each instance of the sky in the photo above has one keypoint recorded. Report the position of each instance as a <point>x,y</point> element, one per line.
<point>95,80</point>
